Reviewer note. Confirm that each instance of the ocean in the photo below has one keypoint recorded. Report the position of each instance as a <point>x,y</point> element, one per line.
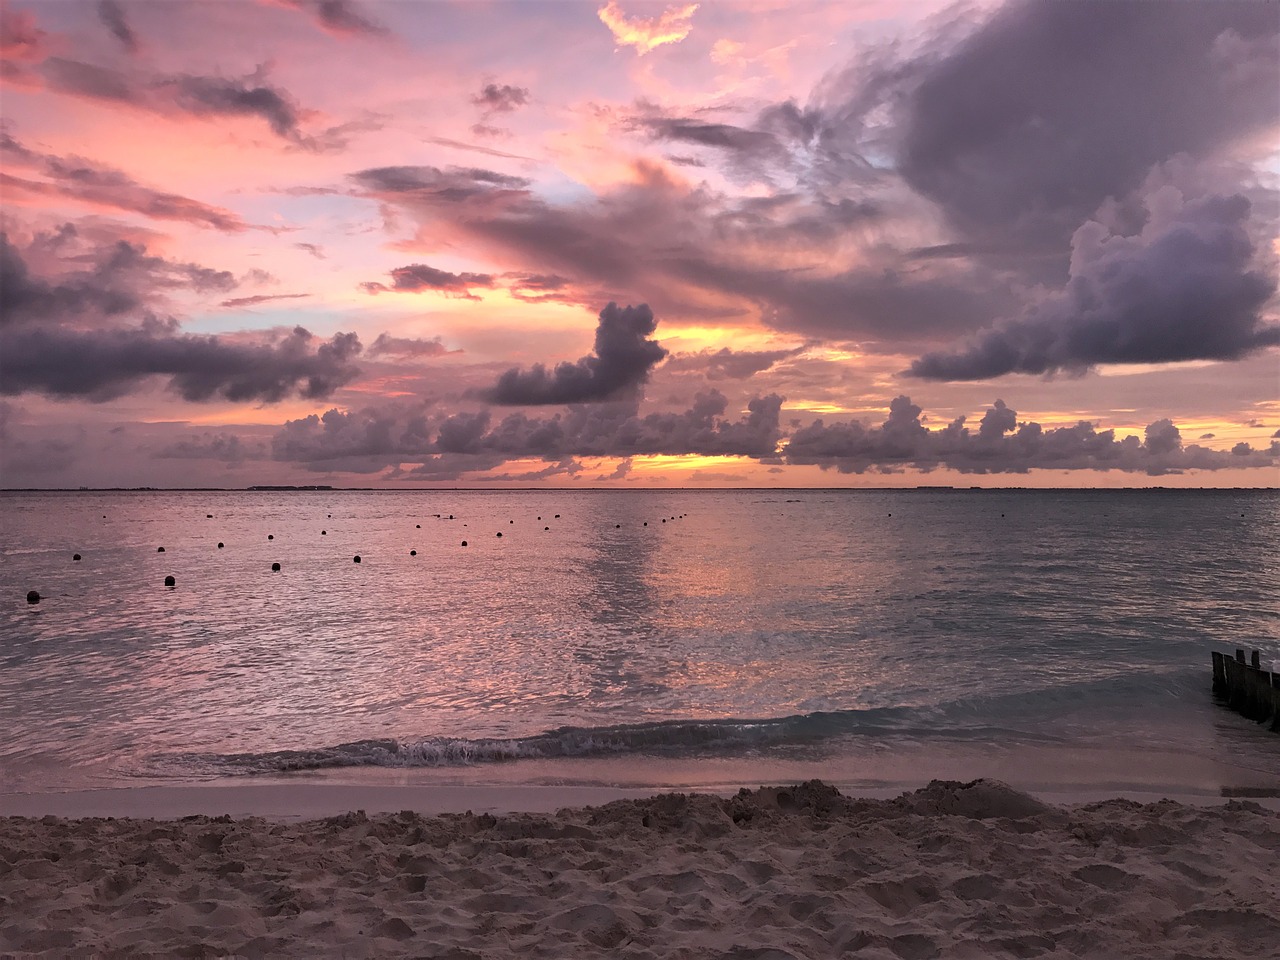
<point>658,638</point>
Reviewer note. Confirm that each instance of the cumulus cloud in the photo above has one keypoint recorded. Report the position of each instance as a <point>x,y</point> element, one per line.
<point>95,184</point>
<point>417,277</point>
<point>1002,444</point>
<point>225,447</point>
<point>1182,289</point>
<point>363,441</point>
<point>500,98</point>
<point>466,442</point>
<point>341,18</point>
<point>620,365</point>
<point>726,364</point>
<point>112,16</point>
<point>222,96</point>
<point>389,346</point>
<point>238,302</point>
<point>646,33</point>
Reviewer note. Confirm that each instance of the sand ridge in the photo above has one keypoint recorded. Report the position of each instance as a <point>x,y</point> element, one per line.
<point>954,870</point>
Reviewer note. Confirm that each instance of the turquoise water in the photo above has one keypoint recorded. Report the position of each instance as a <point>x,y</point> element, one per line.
<point>639,636</point>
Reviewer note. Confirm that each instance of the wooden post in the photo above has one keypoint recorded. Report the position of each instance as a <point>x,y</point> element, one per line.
<point>1247,688</point>
<point>1275,701</point>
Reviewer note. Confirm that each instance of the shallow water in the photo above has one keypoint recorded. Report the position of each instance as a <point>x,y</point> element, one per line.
<point>669,632</point>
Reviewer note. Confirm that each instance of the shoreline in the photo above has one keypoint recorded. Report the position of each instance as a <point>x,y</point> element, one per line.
<point>306,800</point>
<point>953,870</point>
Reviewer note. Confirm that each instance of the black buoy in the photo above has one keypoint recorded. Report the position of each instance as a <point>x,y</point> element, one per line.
<point>170,581</point>
<point>208,516</point>
<point>331,516</point>
<point>33,596</point>
<point>159,549</point>
<point>417,526</point>
<point>413,553</point>
<point>646,523</point>
<point>664,519</point>
<point>539,518</point>
<point>546,528</point>
<point>451,516</point>
<point>617,526</point>
<point>270,537</point>
<point>275,568</point>
<point>499,533</point>
<point>324,533</point>
<point>356,558</point>
<point>220,544</point>
<point>75,556</point>
<point>464,543</point>
<point>556,517</point>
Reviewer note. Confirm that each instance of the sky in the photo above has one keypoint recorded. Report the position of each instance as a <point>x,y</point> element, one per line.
<point>628,244</point>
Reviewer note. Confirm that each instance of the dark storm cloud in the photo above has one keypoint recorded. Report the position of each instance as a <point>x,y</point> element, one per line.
<point>387,345</point>
<point>1048,109</point>
<point>1182,290</point>
<point>500,98</point>
<point>99,365</point>
<point>108,281</point>
<point>79,179</point>
<point>25,297</point>
<point>623,357</point>
<point>919,198</point>
<point>896,305</point>
<point>112,16</point>
<point>417,277</point>
<point>1003,445</point>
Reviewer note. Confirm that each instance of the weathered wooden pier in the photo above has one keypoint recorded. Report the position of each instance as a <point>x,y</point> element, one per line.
<point>1247,688</point>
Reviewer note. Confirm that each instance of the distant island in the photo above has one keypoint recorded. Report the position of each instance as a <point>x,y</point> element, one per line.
<point>314,486</point>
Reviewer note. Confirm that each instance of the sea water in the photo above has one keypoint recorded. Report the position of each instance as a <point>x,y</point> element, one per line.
<point>670,638</point>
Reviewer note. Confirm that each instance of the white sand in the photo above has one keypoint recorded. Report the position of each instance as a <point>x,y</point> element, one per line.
<point>976,870</point>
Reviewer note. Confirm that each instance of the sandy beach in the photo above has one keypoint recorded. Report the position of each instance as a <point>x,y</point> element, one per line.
<point>952,870</point>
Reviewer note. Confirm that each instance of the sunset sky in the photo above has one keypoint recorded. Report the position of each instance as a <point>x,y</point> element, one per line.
<point>856,243</point>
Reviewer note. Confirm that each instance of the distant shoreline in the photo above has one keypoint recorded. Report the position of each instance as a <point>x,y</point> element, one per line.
<point>924,488</point>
